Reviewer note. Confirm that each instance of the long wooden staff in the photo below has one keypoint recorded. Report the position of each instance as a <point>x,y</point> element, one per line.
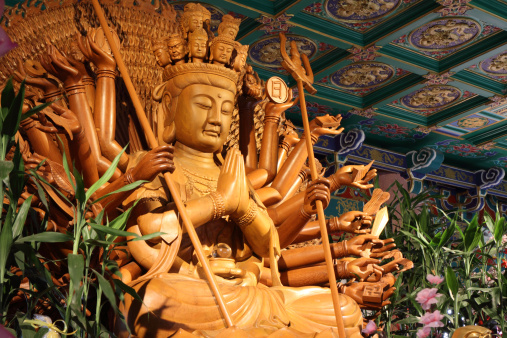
<point>153,143</point>
<point>305,79</point>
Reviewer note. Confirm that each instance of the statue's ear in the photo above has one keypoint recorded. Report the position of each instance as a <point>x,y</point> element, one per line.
<point>169,135</point>
<point>167,102</point>
<point>158,91</point>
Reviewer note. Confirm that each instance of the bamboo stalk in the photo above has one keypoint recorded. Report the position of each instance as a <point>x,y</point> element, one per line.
<point>321,216</point>
<point>152,141</point>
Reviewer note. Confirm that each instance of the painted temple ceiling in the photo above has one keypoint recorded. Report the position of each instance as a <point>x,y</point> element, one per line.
<point>411,74</point>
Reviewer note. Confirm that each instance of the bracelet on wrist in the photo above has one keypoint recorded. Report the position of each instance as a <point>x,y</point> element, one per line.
<point>341,270</point>
<point>304,213</point>
<point>272,119</point>
<point>75,89</point>
<point>128,178</point>
<point>218,205</point>
<point>106,73</point>
<point>52,95</point>
<point>249,215</point>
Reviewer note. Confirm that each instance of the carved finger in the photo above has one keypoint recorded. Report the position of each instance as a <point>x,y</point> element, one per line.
<point>364,231</point>
<point>362,186</point>
<point>45,61</point>
<point>47,129</point>
<point>227,163</point>
<point>385,248</point>
<point>389,293</point>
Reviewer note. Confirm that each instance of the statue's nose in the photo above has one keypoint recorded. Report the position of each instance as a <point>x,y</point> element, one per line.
<point>214,115</point>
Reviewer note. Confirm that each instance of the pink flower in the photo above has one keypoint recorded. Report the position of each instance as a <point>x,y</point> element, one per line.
<point>427,297</point>
<point>432,319</point>
<point>5,42</point>
<point>370,328</point>
<point>423,332</point>
<point>434,279</point>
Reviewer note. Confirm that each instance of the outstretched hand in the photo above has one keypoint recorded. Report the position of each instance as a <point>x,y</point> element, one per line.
<point>344,176</point>
<point>93,53</point>
<point>46,84</point>
<point>361,245</point>
<point>355,290</point>
<point>277,109</point>
<point>326,125</point>
<point>356,222</point>
<point>367,269</point>
<point>59,66</point>
<point>62,119</point>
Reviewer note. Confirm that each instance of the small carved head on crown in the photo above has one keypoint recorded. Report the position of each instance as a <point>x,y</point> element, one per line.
<point>229,26</point>
<point>198,45</point>
<point>177,47</point>
<point>221,50</point>
<point>193,17</point>
<point>241,54</point>
<point>159,48</point>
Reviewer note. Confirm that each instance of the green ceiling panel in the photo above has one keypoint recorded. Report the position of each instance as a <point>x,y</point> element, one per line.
<point>372,65</point>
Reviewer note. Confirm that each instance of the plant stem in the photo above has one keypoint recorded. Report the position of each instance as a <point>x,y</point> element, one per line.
<point>456,312</point>
<point>499,282</point>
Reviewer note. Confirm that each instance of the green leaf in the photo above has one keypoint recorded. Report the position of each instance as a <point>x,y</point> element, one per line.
<point>11,121</point>
<point>76,269</point>
<point>46,237</point>
<point>100,243</point>
<point>147,237</point>
<point>112,231</point>
<point>499,229</point>
<point>8,95</point>
<point>489,222</point>
<point>452,281</point>
<point>5,245</point>
<point>128,187</point>
<point>409,320</point>
<point>36,109</point>
<point>107,289</point>
<point>17,227</point>
<point>448,233</point>
<point>66,165</point>
<point>5,169</point>
<point>470,233</point>
<point>120,221</point>
<point>80,187</point>
<point>127,289</point>
<point>41,192</point>
<point>436,240</point>
<point>107,175</point>
<point>42,332</point>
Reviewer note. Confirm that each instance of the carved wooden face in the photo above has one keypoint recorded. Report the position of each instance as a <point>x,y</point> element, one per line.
<point>230,31</point>
<point>197,47</point>
<point>162,57</point>
<point>177,49</point>
<point>222,53</point>
<point>194,22</point>
<point>239,62</point>
<point>203,117</point>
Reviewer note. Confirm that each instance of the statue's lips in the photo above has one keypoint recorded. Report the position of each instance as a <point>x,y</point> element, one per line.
<point>214,133</point>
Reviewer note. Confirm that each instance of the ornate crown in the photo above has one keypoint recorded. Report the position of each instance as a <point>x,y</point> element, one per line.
<point>198,33</point>
<point>159,44</point>
<point>189,64</point>
<point>241,49</point>
<point>228,21</point>
<point>223,39</point>
<point>207,68</point>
